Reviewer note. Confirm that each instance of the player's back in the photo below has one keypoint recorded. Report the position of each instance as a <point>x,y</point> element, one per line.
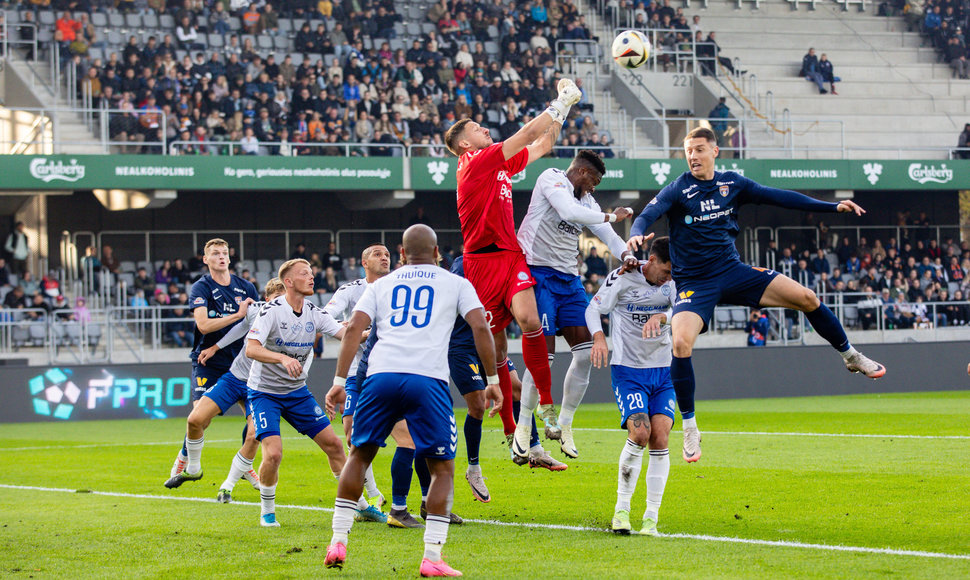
<point>461,335</point>
<point>414,310</point>
<point>242,364</point>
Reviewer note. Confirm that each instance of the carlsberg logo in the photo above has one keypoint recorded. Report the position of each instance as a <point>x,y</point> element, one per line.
<point>924,173</point>
<point>48,171</point>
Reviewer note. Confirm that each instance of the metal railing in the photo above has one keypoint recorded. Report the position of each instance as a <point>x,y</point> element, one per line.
<point>96,120</point>
<point>9,42</point>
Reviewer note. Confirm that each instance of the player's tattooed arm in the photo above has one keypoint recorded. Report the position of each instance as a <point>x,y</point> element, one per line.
<point>543,145</point>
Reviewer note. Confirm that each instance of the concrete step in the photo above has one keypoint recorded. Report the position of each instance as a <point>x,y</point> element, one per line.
<point>815,105</point>
<point>828,42</point>
<point>856,72</point>
<point>869,89</point>
<point>793,55</point>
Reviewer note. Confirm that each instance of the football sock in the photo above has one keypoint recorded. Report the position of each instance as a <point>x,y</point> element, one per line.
<point>369,484</point>
<point>240,465</point>
<point>185,450</point>
<point>536,356</point>
<point>534,440</point>
<point>267,499</point>
<point>682,376</point>
<point>847,354</point>
<point>690,422</point>
<point>658,468</point>
<point>529,399</point>
<point>435,535</point>
<point>473,438</point>
<point>245,431</point>
<point>631,460</point>
<point>505,383</point>
<point>195,454</point>
<point>343,519</point>
<point>576,382</point>
<point>828,327</point>
<point>401,477</point>
<point>424,475</point>
<point>362,503</point>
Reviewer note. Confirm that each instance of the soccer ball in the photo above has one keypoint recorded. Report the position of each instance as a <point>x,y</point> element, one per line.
<point>631,49</point>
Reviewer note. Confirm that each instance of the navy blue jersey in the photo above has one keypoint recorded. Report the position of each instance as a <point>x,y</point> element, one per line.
<point>703,218</point>
<point>364,356</point>
<point>219,301</point>
<point>462,336</point>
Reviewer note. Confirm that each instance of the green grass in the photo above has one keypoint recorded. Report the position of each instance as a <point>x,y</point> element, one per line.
<point>872,492</point>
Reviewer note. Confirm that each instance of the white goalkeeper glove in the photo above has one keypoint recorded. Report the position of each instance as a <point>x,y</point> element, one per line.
<point>569,95</point>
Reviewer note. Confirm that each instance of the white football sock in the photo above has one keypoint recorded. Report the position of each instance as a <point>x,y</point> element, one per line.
<point>194,447</point>
<point>240,465</point>
<point>658,468</point>
<point>846,354</point>
<point>343,520</point>
<point>631,460</point>
<point>529,400</point>
<point>576,382</point>
<point>435,535</point>
<point>692,422</point>
<point>369,484</point>
<point>267,499</point>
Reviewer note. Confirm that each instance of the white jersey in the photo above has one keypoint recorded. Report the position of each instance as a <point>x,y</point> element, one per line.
<point>549,234</point>
<point>630,301</point>
<point>242,364</point>
<point>280,329</point>
<point>341,307</point>
<point>413,310</point>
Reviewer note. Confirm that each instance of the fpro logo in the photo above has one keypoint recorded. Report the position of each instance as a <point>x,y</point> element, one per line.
<point>54,394</point>
<point>872,171</point>
<point>48,171</point>
<point>437,169</point>
<point>660,171</point>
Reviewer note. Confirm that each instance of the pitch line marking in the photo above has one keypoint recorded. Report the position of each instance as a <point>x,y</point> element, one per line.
<point>588,429</point>
<point>700,537</point>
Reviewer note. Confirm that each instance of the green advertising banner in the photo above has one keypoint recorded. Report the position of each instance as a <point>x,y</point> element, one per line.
<point>70,172</point>
<point>654,174</point>
<point>26,172</point>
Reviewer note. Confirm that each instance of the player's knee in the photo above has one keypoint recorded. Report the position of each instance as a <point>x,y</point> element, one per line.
<point>640,435</point>
<point>659,439</point>
<point>682,346</point>
<point>530,322</point>
<point>476,404</point>
<point>197,420</point>
<point>272,457</point>
<point>807,300</point>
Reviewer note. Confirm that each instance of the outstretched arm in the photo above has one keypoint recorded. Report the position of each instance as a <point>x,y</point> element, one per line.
<point>757,193</point>
<point>538,130</point>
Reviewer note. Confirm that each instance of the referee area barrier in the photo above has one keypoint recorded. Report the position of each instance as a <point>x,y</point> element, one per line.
<point>76,392</point>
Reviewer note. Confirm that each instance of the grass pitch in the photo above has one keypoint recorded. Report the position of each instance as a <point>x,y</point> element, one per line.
<point>826,487</point>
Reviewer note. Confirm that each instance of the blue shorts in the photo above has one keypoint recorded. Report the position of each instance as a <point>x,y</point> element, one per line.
<point>648,391</point>
<point>561,299</point>
<point>203,379</point>
<point>424,402</point>
<point>466,370</point>
<point>228,391</point>
<point>350,404</point>
<point>738,284</point>
<point>299,408</point>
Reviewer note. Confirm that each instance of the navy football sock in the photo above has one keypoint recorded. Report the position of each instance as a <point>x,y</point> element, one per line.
<point>245,430</point>
<point>682,376</point>
<point>185,449</point>
<point>401,475</point>
<point>424,475</point>
<point>535,433</point>
<point>473,438</point>
<point>828,327</point>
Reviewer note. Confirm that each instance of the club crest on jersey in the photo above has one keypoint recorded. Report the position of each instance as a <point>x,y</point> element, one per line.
<point>665,290</point>
<point>317,411</point>
<point>309,327</point>
<point>523,276</point>
<point>239,299</point>
<point>724,190</point>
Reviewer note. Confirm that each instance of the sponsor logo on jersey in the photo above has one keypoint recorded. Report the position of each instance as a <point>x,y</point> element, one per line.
<point>283,325</point>
<point>568,228</point>
<point>239,290</point>
<point>687,189</point>
<point>201,381</point>
<point>686,294</point>
<point>689,219</point>
<point>199,301</point>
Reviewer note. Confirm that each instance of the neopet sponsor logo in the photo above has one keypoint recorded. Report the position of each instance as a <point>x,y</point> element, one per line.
<point>48,171</point>
<point>930,173</point>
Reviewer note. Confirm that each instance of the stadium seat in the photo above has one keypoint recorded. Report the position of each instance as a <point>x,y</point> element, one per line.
<point>46,18</point>
<point>286,26</point>
<point>413,29</point>
<point>99,19</point>
<point>722,318</point>
<point>235,23</point>
<point>264,276</point>
<point>72,333</point>
<point>133,21</point>
<point>493,117</point>
<point>215,40</point>
<point>245,265</point>
<point>264,265</point>
<point>277,264</point>
<point>114,38</point>
<point>94,334</point>
<point>117,22</point>
<point>850,316</point>
<point>19,336</point>
<point>739,317</point>
<point>148,21</point>
<point>491,47</point>
<point>281,42</point>
<point>127,266</point>
<point>38,333</point>
<point>13,17</point>
<point>166,22</point>
<point>95,53</point>
<point>264,42</point>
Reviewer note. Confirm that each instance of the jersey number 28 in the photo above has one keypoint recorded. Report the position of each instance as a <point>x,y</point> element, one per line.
<point>403,301</point>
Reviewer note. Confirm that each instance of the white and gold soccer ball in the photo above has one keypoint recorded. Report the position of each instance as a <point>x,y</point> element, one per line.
<point>631,48</point>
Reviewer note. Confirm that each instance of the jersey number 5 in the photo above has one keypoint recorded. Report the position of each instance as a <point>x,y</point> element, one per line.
<point>403,301</point>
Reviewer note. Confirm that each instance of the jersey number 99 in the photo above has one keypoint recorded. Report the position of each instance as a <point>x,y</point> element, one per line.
<point>403,301</point>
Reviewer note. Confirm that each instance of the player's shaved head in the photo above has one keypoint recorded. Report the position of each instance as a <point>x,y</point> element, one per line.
<point>420,245</point>
<point>589,158</point>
